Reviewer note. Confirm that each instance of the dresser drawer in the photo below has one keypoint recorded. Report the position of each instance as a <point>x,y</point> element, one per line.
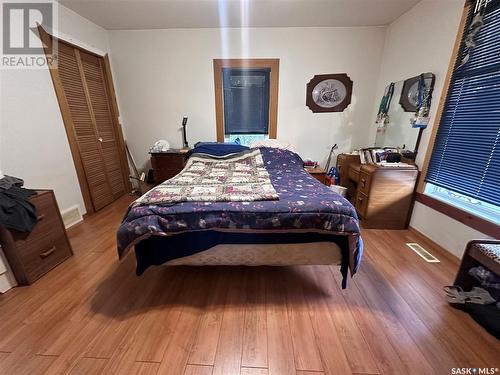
<point>168,161</point>
<point>48,256</point>
<point>166,165</point>
<point>361,204</point>
<point>33,254</point>
<point>161,175</point>
<point>354,174</point>
<point>364,183</point>
<point>47,229</point>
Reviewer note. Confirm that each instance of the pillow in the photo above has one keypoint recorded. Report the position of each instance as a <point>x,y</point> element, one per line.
<point>273,143</point>
<point>217,149</point>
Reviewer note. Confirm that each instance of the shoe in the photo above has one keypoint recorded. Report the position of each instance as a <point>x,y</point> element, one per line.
<point>455,294</point>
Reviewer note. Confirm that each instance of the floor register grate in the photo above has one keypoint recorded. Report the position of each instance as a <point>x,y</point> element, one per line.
<point>421,252</point>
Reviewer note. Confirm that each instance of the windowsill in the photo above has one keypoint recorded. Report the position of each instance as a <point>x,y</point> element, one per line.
<point>245,139</point>
<point>478,223</point>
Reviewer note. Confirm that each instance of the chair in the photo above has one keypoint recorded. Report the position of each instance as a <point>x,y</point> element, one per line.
<point>478,252</point>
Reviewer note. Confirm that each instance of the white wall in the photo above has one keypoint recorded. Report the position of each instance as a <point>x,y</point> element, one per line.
<point>33,143</point>
<point>162,75</point>
<point>419,41</point>
<point>450,234</point>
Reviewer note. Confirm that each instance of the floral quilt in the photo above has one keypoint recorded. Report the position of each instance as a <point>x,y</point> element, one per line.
<point>306,211</point>
<point>234,178</point>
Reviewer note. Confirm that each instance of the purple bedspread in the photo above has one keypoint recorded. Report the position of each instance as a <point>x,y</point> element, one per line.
<point>304,205</point>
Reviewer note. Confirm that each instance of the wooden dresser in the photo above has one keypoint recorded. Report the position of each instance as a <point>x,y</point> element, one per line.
<point>384,195</point>
<point>167,164</point>
<point>31,255</point>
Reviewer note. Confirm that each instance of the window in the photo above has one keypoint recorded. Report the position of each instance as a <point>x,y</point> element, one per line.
<point>464,168</point>
<point>246,95</point>
<point>246,100</point>
<point>480,208</point>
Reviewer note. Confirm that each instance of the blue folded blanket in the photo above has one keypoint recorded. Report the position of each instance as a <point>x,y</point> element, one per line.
<point>218,149</point>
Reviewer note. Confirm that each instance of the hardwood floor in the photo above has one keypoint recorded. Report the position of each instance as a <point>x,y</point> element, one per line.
<point>92,315</point>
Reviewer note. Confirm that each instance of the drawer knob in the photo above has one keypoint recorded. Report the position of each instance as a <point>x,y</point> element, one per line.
<point>40,217</point>
<point>360,199</point>
<point>45,254</point>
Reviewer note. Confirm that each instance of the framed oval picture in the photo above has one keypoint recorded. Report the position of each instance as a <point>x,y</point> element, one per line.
<point>329,92</point>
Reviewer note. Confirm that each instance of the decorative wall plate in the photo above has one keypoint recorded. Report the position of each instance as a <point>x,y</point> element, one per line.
<point>409,94</point>
<point>329,92</point>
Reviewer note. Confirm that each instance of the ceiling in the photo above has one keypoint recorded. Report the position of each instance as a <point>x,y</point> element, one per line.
<point>164,14</point>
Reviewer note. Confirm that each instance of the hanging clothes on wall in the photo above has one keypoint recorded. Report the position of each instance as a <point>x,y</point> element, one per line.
<point>383,110</point>
<point>421,118</point>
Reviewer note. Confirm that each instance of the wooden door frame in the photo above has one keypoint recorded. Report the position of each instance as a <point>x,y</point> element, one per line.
<point>273,64</point>
<point>46,39</point>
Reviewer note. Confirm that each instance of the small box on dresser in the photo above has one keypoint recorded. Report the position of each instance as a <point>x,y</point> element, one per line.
<point>32,255</point>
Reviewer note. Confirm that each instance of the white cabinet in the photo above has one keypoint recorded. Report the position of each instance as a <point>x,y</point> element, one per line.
<point>7,279</point>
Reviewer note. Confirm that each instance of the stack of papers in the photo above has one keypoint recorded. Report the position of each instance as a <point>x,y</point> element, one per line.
<point>399,164</point>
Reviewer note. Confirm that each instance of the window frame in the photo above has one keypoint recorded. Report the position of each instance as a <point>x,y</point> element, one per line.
<point>272,64</point>
<point>465,217</point>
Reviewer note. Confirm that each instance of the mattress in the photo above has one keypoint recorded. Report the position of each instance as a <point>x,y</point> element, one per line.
<point>263,255</point>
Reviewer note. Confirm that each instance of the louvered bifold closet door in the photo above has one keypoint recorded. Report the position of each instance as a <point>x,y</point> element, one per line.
<point>70,74</point>
<point>93,72</point>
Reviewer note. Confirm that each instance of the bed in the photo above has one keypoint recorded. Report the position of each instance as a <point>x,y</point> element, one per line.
<point>279,215</point>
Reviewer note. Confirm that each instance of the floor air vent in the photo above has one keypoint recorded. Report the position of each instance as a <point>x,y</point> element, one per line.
<point>422,253</point>
<point>71,216</point>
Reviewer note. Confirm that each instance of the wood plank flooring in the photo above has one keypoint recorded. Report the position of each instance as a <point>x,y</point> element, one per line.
<point>92,315</point>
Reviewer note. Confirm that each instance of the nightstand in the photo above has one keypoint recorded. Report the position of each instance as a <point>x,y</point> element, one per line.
<point>318,173</point>
<point>167,164</point>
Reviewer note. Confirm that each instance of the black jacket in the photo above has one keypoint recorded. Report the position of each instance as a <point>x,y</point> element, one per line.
<point>16,212</point>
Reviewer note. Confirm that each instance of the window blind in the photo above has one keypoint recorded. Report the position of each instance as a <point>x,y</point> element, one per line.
<point>246,100</point>
<point>466,153</point>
